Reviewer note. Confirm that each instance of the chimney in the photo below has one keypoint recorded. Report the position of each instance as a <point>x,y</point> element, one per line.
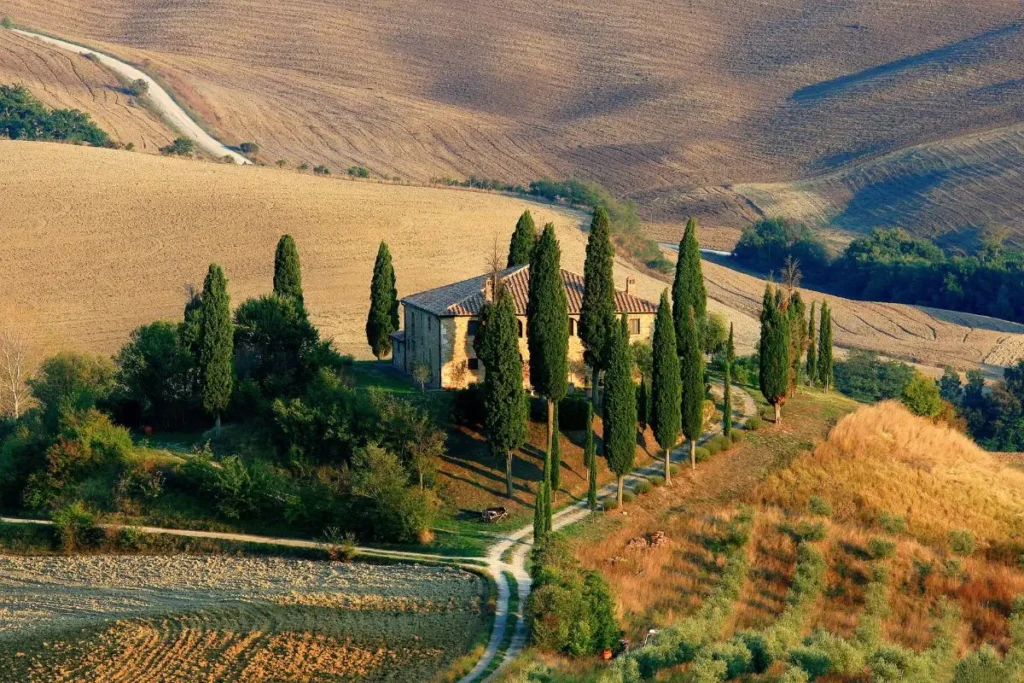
<point>489,290</point>
<point>630,284</point>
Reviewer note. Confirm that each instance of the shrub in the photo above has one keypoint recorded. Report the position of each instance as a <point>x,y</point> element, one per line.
<point>321,170</point>
<point>962,542</point>
<point>880,548</point>
<point>249,148</point>
<point>805,531</point>
<point>757,645</point>
<point>180,147</point>
<point>753,423</point>
<point>721,441</point>
<point>894,524</point>
<point>358,171</point>
<point>736,436</point>
<point>921,396</point>
<point>129,538</point>
<point>138,87</point>
<point>953,568</point>
<point>572,413</point>
<point>610,503</point>
<point>712,448</point>
<point>812,660</point>
<point>734,653</point>
<point>673,469</point>
<point>702,454</point>
<point>628,496</point>
<point>794,675</point>
<point>657,481</point>
<point>76,528</point>
<point>982,666</point>
<point>819,506</point>
<point>303,166</point>
<point>281,163</point>
<point>644,486</point>
<point>6,23</point>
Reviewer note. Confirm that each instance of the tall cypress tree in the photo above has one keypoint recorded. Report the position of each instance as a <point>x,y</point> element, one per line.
<point>539,521</point>
<point>774,350</point>
<point>730,358</point>
<point>382,319</point>
<point>691,365</point>
<point>590,459</point>
<point>620,408</point>
<point>825,375</point>
<point>666,384</point>
<point>597,312</point>
<point>812,350</point>
<point>547,325</point>
<point>797,313</point>
<point>216,344</point>
<point>520,249</point>
<point>505,407</point>
<point>287,270</point>
<point>556,458</point>
<point>643,405</point>
<point>688,290</point>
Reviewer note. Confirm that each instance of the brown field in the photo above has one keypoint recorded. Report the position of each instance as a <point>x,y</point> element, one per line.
<point>66,81</point>
<point>670,112</point>
<point>188,618</point>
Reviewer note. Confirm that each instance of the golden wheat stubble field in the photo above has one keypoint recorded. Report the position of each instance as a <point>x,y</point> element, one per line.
<point>62,80</point>
<point>200,618</point>
<point>669,104</point>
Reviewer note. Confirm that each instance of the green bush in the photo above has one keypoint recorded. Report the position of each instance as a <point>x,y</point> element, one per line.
<point>643,486</point>
<point>184,147</point>
<point>753,423</point>
<point>757,646</point>
<point>702,454</point>
<point>321,170</point>
<point>249,148</point>
<point>894,524</point>
<point>673,469</point>
<point>6,23</point>
<point>129,538</point>
<point>962,542</point>
<point>983,666</point>
<point>610,503</point>
<point>953,568</point>
<point>721,442</point>
<point>805,531</point>
<point>880,548</point>
<point>657,481</point>
<point>738,659</point>
<point>358,171</point>
<point>23,117</point>
<point>819,506</point>
<point>794,675</point>
<point>76,528</point>
<point>628,496</point>
<point>736,436</point>
<point>812,660</point>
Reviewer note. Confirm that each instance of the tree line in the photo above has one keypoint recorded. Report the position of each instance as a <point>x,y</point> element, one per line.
<point>892,265</point>
<point>23,117</point>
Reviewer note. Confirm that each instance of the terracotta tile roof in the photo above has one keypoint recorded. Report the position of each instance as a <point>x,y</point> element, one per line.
<point>466,298</point>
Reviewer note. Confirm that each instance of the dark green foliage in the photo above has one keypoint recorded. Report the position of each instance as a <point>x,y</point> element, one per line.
<point>570,610</point>
<point>520,249</point>
<point>71,382</point>
<point>76,528</point>
<point>643,405</point>
<point>620,407</point>
<point>287,270</point>
<point>921,396</point>
<point>688,289</point>
<point>666,383</point>
<point>539,521</point>
<point>773,349</point>
<point>730,358</point>
<point>769,243</point>
<point>797,313</point>
<point>358,171</point>
<point>572,412</point>
<point>23,117</point>
<point>155,371</point>
<point>397,511</point>
<point>590,458</point>
<point>825,371</point>
<point>547,324</point>
<point>805,531</point>
<point>216,343</point>
<point>274,345</point>
<point>183,147</point>
<point>504,402</point>
<point>983,666</point>
<point>382,319</point>
<point>597,315</point>
<point>321,170</point>
<point>811,368</point>
<point>691,370</point>
<point>950,388</point>
<point>880,548</point>
<point>556,456</point>
<point>866,377</point>
<point>249,148</point>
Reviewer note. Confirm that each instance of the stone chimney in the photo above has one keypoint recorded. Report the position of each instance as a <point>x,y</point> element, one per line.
<point>489,290</point>
<point>630,285</point>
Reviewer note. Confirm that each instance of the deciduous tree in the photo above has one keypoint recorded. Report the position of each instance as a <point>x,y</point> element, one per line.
<point>774,350</point>
<point>520,249</point>
<point>216,344</point>
<point>14,370</point>
<point>597,313</point>
<point>382,319</point>
<point>666,384</point>
<point>620,408</point>
<point>287,270</point>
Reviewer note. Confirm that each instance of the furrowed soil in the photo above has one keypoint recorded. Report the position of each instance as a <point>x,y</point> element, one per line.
<point>191,618</point>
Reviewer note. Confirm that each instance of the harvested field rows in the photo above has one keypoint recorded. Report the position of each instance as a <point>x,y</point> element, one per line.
<point>67,81</point>
<point>188,618</point>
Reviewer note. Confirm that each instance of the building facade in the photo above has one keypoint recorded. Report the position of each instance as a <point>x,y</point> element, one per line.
<point>439,327</point>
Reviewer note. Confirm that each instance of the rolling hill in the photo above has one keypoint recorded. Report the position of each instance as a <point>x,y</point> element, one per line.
<point>671,105</point>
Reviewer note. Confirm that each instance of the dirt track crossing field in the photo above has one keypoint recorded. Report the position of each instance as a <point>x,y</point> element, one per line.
<point>191,618</point>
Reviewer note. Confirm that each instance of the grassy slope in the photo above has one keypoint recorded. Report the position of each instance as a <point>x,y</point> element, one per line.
<point>669,111</point>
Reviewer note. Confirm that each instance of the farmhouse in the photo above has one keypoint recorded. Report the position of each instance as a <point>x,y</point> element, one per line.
<point>440,325</point>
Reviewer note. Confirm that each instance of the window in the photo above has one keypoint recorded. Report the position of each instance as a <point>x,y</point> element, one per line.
<point>474,327</point>
<point>572,327</point>
<point>519,326</point>
<point>634,326</point>
<point>473,364</point>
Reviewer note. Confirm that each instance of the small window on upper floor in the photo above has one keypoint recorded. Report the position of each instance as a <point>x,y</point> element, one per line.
<point>474,327</point>
<point>634,326</point>
<point>572,327</point>
<point>519,326</point>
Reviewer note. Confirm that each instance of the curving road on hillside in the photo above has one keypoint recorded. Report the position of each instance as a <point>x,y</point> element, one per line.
<point>160,98</point>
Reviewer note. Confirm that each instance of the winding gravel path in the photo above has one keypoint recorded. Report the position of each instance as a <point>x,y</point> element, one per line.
<point>161,99</point>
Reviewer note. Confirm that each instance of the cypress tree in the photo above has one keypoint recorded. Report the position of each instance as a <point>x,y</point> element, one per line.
<point>590,459</point>
<point>688,290</point>
<point>556,458</point>
<point>774,350</point>
<point>643,405</point>
<point>546,478</point>
<point>216,344</point>
<point>505,407</point>
<point>520,249</point>
<point>547,325</point>
<point>691,365</point>
<point>620,408</point>
<point>382,319</point>
<point>287,270</point>
<point>538,515</point>
<point>730,358</point>
<point>812,350</point>
<point>597,312</point>
<point>666,384</point>
<point>825,375</point>
<point>797,313</point>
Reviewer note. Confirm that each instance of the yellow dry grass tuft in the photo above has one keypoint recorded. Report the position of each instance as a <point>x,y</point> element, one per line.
<point>882,460</point>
